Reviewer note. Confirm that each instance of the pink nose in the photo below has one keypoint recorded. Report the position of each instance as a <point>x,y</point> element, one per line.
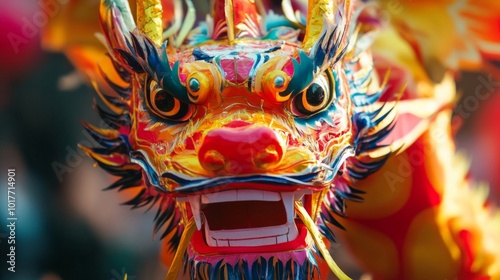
<point>239,148</point>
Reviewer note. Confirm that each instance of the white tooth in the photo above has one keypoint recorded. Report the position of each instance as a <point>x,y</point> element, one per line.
<point>257,195</point>
<point>282,239</point>
<point>194,201</point>
<point>271,196</point>
<point>287,198</point>
<point>293,233</point>
<point>288,201</point>
<point>301,193</point>
<point>253,242</point>
<point>222,243</point>
<point>219,197</point>
<point>247,195</point>
<point>210,241</point>
<point>249,233</point>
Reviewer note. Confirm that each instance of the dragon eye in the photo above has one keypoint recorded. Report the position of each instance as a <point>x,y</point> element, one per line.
<point>313,99</point>
<point>198,86</point>
<point>164,105</point>
<point>273,84</point>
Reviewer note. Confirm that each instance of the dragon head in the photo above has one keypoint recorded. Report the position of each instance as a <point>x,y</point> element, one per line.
<point>246,131</point>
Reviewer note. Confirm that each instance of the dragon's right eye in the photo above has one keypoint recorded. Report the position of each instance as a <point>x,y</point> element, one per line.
<point>164,105</point>
<point>313,99</point>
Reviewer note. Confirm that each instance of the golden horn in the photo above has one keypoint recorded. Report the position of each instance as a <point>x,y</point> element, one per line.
<point>317,11</point>
<point>150,19</point>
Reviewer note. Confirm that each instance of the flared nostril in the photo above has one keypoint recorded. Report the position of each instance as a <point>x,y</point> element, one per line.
<point>267,157</point>
<point>240,149</point>
<point>213,161</point>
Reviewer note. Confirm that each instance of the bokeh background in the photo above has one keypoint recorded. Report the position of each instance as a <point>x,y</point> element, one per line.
<point>67,227</point>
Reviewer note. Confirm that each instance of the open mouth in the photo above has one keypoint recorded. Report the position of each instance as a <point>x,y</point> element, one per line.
<point>246,220</point>
<point>254,213</point>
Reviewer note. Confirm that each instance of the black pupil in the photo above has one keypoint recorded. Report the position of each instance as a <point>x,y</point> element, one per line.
<point>315,95</point>
<point>164,101</point>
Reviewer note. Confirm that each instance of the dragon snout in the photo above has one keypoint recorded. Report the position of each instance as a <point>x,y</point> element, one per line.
<point>240,148</point>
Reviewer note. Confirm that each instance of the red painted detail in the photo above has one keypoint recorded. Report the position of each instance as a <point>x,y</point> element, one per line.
<point>288,68</point>
<point>191,141</point>
<point>144,134</point>
<point>236,124</point>
<point>307,202</point>
<point>237,149</point>
<point>183,77</point>
<point>219,15</point>
<point>245,14</point>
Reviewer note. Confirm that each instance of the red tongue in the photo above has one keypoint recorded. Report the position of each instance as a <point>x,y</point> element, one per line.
<point>244,214</point>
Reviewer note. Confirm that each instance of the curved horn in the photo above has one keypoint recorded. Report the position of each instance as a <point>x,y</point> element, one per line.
<point>317,12</point>
<point>150,20</point>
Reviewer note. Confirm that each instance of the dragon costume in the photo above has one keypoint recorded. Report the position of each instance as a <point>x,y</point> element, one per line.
<point>260,136</point>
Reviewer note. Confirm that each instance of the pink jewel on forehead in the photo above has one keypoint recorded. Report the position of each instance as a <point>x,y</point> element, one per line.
<point>237,69</point>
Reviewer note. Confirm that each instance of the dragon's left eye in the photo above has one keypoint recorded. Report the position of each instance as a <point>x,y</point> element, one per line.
<point>164,105</point>
<point>313,99</point>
